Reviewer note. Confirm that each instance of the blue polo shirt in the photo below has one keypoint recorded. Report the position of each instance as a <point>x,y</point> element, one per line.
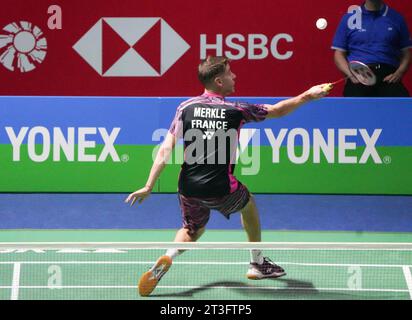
<point>379,38</point>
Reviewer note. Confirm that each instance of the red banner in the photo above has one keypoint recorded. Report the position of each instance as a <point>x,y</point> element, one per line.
<point>152,48</point>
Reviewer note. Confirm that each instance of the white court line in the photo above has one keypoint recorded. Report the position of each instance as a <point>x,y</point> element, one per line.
<point>333,246</point>
<point>217,287</point>
<point>16,281</point>
<point>408,278</point>
<point>212,263</point>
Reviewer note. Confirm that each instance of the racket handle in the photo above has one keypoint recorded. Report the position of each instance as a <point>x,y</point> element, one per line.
<point>339,81</point>
<point>328,87</point>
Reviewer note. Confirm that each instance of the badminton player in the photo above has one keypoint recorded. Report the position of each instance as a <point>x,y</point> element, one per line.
<point>206,179</point>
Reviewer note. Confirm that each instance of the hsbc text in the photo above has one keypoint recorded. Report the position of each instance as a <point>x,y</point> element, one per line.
<point>237,46</point>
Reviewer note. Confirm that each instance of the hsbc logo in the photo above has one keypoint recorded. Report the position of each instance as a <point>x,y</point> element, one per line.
<point>131,47</point>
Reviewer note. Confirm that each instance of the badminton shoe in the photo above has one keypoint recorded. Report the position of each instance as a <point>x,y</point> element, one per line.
<point>149,280</point>
<point>267,269</point>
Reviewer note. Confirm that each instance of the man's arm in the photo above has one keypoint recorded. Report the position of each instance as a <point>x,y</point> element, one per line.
<point>285,107</point>
<point>162,157</point>
<point>342,64</point>
<point>403,67</point>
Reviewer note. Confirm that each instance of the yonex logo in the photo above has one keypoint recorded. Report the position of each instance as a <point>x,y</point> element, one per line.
<point>208,135</point>
<point>23,46</point>
<point>131,47</point>
<point>75,143</point>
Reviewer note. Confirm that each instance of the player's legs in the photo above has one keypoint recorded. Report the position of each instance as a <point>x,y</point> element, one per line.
<point>195,217</point>
<point>260,267</point>
<point>184,235</point>
<point>241,200</point>
<point>250,221</point>
<point>150,279</point>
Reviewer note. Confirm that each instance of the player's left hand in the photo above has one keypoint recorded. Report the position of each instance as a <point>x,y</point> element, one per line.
<point>139,195</point>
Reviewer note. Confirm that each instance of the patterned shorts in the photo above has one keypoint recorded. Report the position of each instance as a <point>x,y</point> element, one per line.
<point>196,211</point>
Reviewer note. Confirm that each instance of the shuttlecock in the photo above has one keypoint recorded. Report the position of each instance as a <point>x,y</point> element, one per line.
<point>321,23</point>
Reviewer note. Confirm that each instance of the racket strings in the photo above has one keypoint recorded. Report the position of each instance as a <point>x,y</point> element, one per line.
<point>361,72</point>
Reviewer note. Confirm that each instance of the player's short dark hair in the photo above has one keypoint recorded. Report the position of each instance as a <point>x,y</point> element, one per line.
<point>210,68</point>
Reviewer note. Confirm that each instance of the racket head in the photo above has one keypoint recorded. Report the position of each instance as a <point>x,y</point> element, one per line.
<point>362,73</point>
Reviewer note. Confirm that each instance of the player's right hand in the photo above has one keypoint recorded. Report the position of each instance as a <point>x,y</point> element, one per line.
<point>138,195</point>
<point>319,91</point>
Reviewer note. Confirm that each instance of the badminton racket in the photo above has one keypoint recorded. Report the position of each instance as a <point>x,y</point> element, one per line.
<point>361,72</point>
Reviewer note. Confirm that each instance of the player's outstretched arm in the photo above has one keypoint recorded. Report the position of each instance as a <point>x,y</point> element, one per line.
<point>162,157</point>
<point>284,107</point>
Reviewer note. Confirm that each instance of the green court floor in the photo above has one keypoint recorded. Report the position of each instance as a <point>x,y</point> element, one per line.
<point>74,273</point>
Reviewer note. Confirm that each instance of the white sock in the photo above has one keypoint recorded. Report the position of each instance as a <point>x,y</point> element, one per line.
<point>173,253</point>
<point>256,256</point>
